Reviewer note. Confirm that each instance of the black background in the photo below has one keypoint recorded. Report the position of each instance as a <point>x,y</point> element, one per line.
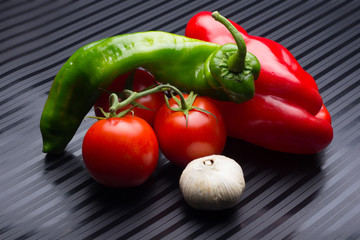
<point>287,196</point>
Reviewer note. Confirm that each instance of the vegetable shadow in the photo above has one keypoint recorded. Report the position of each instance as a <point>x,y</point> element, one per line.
<point>69,173</point>
<point>80,193</point>
<point>248,154</point>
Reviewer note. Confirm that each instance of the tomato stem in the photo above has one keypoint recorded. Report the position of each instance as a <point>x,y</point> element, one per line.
<point>185,105</point>
<point>115,104</point>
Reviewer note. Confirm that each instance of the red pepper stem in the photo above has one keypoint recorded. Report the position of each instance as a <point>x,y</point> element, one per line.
<point>236,62</point>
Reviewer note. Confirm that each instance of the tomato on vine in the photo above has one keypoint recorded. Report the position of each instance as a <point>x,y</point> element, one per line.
<point>120,151</point>
<point>189,129</point>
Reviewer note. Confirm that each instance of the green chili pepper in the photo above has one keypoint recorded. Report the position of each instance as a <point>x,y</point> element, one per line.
<point>188,64</point>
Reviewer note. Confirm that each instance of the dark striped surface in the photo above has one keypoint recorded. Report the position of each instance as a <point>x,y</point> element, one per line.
<point>287,196</point>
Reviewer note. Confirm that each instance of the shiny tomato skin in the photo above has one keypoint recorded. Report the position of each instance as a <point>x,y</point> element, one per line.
<point>142,79</point>
<point>204,134</point>
<point>120,152</point>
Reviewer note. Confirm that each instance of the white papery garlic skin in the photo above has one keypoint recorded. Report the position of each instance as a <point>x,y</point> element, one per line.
<point>214,182</point>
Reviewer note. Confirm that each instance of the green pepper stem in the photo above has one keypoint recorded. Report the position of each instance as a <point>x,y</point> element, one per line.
<point>132,96</point>
<point>236,62</point>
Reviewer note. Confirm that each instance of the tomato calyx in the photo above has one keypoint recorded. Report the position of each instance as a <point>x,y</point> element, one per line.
<point>186,105</point>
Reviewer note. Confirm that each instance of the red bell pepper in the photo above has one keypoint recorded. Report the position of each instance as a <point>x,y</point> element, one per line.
<point>287,112</point>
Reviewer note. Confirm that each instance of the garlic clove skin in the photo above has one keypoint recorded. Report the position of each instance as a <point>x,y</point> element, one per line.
<point>213,182</point>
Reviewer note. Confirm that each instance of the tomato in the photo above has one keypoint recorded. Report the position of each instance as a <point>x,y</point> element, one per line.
<point>120,152</point>
<point>204,134</point>
<point>142,80</point>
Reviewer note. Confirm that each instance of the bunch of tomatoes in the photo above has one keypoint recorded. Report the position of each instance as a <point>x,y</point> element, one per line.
<point>124,151</point>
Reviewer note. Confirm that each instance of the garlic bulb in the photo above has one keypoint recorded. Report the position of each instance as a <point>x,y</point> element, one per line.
<point>214,182</point>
